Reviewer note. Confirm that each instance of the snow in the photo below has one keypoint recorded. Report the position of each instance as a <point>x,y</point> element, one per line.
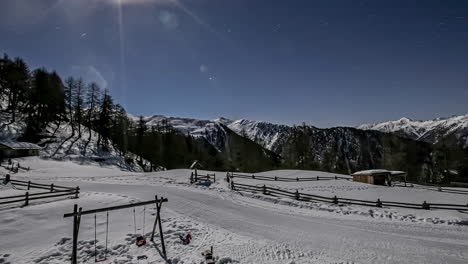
<point>242,227</point>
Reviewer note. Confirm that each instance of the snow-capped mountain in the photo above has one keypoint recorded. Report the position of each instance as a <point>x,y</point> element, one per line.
<point>214,131</point>
<point>270,136</point>
<point>341,149</point>
<point>431,131</point>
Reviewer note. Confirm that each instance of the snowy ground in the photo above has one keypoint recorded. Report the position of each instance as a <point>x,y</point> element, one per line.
<point>243,227</point>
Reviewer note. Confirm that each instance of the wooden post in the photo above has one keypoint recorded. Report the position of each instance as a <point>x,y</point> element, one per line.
<point>7,179</point>
<point>214,177</point>
<point>276,178</point>
<point>336,177</point>
<point>76,228</point>
<point>297,195</point>
<point>297,178</point>
<point>161,231</point>
<point>26,199</point>
<point>335,199</point>
<point>191,177</point>
<point>426,206</point>
<point>77,192</point>
<point>29,185</point>
<point>379,203</point>
<point>318,178</point>
<point>264,189</point>
<point>158,222</point>
<point>232,185</point>
<point>51,187</point>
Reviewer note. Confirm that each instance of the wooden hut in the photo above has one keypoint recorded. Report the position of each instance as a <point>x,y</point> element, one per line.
<point>12,149</point>
<point>377,177</point>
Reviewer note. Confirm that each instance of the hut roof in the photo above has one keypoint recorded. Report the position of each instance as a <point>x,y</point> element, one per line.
<point>196,164</point>
<point>18,145</point>
<point>398,173</point>
<point>371,172</point>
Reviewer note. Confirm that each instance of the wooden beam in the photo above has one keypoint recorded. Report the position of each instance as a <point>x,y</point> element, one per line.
<point>112,208</point>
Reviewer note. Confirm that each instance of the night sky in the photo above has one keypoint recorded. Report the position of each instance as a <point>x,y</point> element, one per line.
<point>328,63</point>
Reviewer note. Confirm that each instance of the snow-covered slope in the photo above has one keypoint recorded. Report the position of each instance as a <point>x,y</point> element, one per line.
<point>60,143</point>
<point>429,131</point>
<point>212,130</point>
<point>242,227</point>
<point>270,136</point>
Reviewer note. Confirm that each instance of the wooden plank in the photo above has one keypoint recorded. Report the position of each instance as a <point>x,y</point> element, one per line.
<point>105,209</point>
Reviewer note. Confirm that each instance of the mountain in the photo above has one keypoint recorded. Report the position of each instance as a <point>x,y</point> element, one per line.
<point>339,149</point>
<point>232,151</point>
<point>431,131</point>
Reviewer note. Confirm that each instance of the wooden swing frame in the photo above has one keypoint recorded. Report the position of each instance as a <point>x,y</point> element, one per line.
<point>77,213</point>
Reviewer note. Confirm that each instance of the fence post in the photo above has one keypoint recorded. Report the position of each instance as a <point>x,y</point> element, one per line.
<point>7,179</point>
<point>335,199</point>
<point>439,189</point>
<point>264,189</point>
<point>253,176</point>
<point>232,185</point>
<point>336,177</point>
<point>214,177</point>
<point>297,195</point>
<point>276,178</point>
<point>379,203</point>
<point>26,199</point>
<point>77,192</point>
<point>297,178</point>
<point>318,178</point>
<point>191,177</point>
<point>51,187</point>
<point>426,206</point>
<point>29,185</point>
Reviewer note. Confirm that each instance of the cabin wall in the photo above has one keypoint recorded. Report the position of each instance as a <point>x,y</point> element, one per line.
<point>364,179</point>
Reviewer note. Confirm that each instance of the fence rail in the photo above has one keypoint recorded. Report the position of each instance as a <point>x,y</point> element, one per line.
<point>267,190</point>
<point>195,177</point>
<point>53,191</point>
<point>232,175</point>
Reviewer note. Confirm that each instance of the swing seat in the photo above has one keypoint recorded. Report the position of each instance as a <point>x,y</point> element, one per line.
<point>140,241</point>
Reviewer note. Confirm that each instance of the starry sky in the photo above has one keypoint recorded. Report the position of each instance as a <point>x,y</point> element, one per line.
<point>327,63</point>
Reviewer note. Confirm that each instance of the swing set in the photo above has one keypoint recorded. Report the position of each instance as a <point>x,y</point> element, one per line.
<point>140,240</point>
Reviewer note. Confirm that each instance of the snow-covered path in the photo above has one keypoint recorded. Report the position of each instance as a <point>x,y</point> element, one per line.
<point>346,239</point>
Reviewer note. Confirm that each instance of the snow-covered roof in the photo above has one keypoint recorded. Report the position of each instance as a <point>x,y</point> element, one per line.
<point>371,172</point>
<point>398,172</point>
<point>378,171</point>
<point>19,145</point>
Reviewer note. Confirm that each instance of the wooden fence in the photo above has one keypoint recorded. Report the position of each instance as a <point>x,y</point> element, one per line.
<point>232,175</point>
<point>52,191</point>
<point>195,177</point>
<point>267,190</point>
<point>435,188</point>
